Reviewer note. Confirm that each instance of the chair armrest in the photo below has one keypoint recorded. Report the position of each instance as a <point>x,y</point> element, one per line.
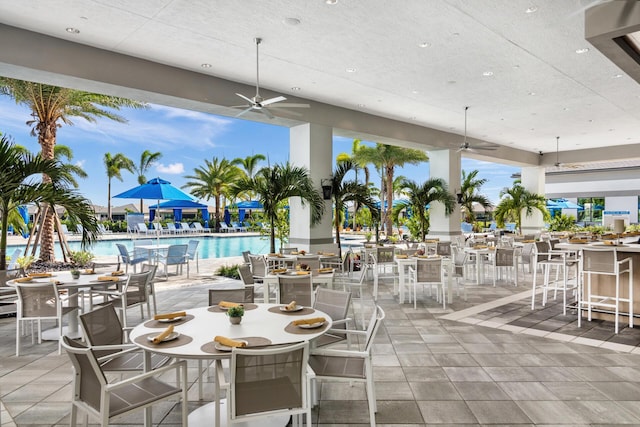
<point>124,349</point>
<point>175,366</point>
<point>342,321</point>
<point>321,351</point>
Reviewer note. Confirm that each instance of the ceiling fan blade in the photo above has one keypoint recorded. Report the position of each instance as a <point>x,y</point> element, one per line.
<point>485,147</point>
<point>241,106</point>
<point>244,111</point>
<point>249,100</point>
<point>290,105</point>
<point>273,100</point>
<point>267,113</point>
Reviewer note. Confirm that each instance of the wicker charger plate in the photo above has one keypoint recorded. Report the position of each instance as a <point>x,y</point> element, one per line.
<point>247,306</point>
<point>306,310</point>
<point>181,340</point>
<point>210,347</point>
<point>294,329</point>
<point>158,324</point>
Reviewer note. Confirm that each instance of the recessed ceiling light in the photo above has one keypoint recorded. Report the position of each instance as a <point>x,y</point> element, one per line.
<point>360,105</point>
<point>205,65</point>
<point>291,21</point>
<point>565,109</point>
<point>532,93</point>
<point>452,82</point>
<point>351,70</point>
<point>331,1</point>
<point>413,117</point>
<point>455,34</point>
<point>531,9</point>
<point>583,50</point>
<point>295,89</point>
<point>488,73</point>
<point>415,92</point>
<point>532,129</point>
<point>590,120</point>
<point>424,44</point>
<point>515,67</point>
<point>611,130</point>
<point>617,76</point>
<point>72,30</point>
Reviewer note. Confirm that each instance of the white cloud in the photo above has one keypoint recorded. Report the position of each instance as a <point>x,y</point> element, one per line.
<point>171,169</point>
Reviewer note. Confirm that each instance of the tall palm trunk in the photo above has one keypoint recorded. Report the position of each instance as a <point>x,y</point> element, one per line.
<point>47,140</point>
<point>388,220</point>
<point>217,199</point>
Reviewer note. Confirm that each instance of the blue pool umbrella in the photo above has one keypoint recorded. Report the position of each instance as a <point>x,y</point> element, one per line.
<point>24,213</point>
<point>227,216</point>
<point>248,204</point>
<point>155,189</point>
<point>563,204</point>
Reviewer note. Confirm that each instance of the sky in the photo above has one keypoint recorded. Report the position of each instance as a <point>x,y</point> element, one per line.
<point>185,138</point>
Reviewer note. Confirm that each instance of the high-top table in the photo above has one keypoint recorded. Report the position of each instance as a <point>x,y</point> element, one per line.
<point>262,325</point>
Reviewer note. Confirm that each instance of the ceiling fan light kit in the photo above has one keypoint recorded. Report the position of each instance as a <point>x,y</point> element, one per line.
<point>258,103</point>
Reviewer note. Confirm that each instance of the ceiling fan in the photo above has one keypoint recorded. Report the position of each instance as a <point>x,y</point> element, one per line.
<point>466,146</point>
<point>558,164</point>
<point>258,103</point>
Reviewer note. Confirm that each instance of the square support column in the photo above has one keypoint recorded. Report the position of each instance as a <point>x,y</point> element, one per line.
<point>533,180</point>
<point>311,146</point>
<point>445,164</point>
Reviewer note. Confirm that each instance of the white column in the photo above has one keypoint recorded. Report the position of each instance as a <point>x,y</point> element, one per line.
<point>310,145</point>
<point>533,180</point>
<point>445,164</point>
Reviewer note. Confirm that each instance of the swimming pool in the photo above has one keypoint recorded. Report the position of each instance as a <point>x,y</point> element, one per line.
<point>209,247</point>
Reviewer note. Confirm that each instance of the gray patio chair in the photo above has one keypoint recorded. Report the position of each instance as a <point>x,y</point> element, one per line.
<point>351,365</point>
<point>336,304</point>
<point>176,255</point>
<point>242,295</point>
<point>107,400</point>
<point>295,288</point>
<point>192,254</point>
<point>129,259</point>
<point>134,292</point>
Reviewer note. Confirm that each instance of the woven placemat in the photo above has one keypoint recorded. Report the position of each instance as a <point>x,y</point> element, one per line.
<point>247,306</point>
<point>306,310</point>
<point>210,347</point>
<point>181,340</point>
<point>294,329</point>
<point>157,324</point>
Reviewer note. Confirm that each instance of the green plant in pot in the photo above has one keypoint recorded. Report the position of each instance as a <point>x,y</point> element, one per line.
<point>235,314</point>
<point>75,273</point>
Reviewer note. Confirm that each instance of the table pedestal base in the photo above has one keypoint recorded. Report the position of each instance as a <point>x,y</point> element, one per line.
<point>204,416</point>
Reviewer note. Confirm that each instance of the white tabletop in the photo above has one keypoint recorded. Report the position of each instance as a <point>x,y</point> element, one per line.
<point>206,324</point>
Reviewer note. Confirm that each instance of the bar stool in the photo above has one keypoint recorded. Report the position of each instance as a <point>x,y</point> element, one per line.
<point>547,258</point>
<point>604,261</point>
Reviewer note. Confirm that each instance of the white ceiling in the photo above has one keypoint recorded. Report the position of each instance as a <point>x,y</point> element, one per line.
<point>540,87</point>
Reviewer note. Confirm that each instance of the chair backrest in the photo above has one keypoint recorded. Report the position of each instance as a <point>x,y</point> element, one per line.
<point>153,268</point>
<point>459,260</point>
<point>504,257</point>
<point>443,249</point>
<point>384,255</point>
<point>377,317</point>
<point>287,251</point>
<point>258,265</point>
<point>295,288</point>
<point>429,270</point>
<point>333,302</point>
<point>599,260</point>
<point>176,254</point>
<point>137,287</point>
<point>541,247</point>
<point>88,379</point>
<point>245,256</point>
<point>38,300</point>
<point>102,326</point>
<point>231,295</point>
<point>142,242</point>
<point>192,248</point>
<point>245,274</point>
<point>311,261</point>
<point>265,381</point>
<point>124,253</point>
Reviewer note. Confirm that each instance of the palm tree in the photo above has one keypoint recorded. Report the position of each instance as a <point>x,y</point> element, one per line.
<point>250,166</point>
<point>214,179</point>
<point>469,189</point>
<point>61,152</point>
<point>515,200</point>
<point>114,166</point>
<point>421,195</point>
<point>386,158</point>
<point>147,159</point>
<point>348,191</point>
<point>51,107</point>
<point>18,186</point>
<point>278,183</point>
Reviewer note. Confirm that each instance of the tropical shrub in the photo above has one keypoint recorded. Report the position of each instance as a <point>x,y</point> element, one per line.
<point>562,222</point>
<point>230,271</point>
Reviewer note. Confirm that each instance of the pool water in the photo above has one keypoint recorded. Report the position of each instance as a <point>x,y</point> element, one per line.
<point>209,247</point>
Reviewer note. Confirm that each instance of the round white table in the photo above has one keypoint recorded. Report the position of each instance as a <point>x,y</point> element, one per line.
<point>66,281</point>
<point>262,324</point>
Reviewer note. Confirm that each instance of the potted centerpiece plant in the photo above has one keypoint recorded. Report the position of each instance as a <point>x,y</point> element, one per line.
<point>235,314</point>
<point>75,273</point>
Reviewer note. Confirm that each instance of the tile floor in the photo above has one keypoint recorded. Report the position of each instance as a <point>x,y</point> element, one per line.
<point>487,361</point>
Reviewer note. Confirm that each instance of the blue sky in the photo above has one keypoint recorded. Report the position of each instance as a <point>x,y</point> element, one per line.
<point>185,138</point>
